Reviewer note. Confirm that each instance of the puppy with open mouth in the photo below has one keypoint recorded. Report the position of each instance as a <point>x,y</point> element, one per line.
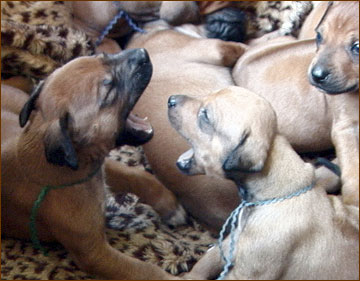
<point>67,127</point>
<point>287,226</point>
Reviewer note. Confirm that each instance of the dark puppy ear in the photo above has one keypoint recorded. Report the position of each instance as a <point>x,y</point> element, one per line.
<point>249,156</point>
<point>30,105</point>
<point>228,24</point>
<point>59,149</point>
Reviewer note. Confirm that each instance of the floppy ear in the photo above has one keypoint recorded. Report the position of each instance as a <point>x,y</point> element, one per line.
<point>248,157</point>
<point>59,149</point>
<point>30,105</point>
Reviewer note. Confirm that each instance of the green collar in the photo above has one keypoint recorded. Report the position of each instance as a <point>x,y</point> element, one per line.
<point>34,210</point>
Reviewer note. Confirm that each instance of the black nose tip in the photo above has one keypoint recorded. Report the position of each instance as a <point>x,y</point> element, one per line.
<point>319,74</point>
<point>172,102</point>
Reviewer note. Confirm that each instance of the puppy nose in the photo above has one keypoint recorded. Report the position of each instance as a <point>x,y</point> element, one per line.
<point>319,74</point>
<point>172,102</point>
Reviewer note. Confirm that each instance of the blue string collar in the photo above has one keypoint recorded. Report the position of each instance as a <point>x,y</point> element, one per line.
<point>233,220</point>
<point>119,15</point>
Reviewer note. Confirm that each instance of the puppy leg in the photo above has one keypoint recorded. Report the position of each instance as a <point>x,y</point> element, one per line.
<point>178,12</point>
<point>209,266</point>
<point>328,179</point>
<point>218,52</point>
<point>122,178</point>
<point>74,216</point>
<point>20,82</point>
<point>108,46</point>
<point>347,150</point>
<point>345,137</point>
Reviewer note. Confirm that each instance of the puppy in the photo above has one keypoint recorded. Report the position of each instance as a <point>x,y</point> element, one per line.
<point>309,235</point>
<point>310,118</point>
<point>185,64</point>
<point>69,124</point>
<point>335,70</point>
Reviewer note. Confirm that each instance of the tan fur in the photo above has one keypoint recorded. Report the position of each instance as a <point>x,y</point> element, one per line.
<point>74,215</point>
<point>94,16</point>
<point>307,31</point>
<point>308,116</point>
<point>182,66</point>
<point>311,236</point>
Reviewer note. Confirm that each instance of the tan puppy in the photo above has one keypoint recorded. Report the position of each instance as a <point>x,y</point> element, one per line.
<point>335,70</point>
<point>185,65</point>
<point>71,122</point>
<point>308,117</point>
<point>312,235</point>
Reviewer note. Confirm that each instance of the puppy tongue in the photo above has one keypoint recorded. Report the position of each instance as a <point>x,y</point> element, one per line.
<point>186,156</point>
<point>139,124</point>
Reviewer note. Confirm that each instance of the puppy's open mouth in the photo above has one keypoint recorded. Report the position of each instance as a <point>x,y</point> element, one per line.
<point>137,131</point>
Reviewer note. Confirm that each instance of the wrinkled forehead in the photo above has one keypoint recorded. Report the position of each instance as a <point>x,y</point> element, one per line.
<point>78,79</point>
<point>237,102</point>
<point>241,107</point>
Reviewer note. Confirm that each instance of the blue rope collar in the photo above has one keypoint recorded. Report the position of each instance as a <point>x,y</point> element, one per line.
<point>233,218</point>
<point>118,16</point>
<point>34,210</point>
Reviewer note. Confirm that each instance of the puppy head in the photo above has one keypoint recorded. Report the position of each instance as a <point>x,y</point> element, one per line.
<point>229,131</point>
<point>335,68</point>
<point>86,106</point>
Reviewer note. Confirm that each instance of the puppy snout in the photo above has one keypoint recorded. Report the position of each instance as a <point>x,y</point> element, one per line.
<point>319,74</point>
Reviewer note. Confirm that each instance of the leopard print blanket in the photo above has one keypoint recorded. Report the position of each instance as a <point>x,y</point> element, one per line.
<point>37,38</point>
<point>133,228</point>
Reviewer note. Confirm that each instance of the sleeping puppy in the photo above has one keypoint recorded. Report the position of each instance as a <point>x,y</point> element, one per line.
<point>67,128</point>
<point>294,230</point>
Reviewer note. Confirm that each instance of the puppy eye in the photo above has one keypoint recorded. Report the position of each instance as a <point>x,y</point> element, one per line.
<point>107,82</point>
<point>355,48</point>
<point>203,114</point>
<point>319,38</point>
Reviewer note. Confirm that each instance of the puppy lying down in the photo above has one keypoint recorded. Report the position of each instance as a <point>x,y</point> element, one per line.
<point>288,228</point>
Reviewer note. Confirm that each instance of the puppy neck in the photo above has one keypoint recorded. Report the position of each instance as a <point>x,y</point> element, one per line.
<point>37,170</point>
<point>284,173</point>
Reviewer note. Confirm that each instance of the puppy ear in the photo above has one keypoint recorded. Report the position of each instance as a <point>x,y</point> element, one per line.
<point>30,105</point>
<point>248,157</point>
<point>59,149</point>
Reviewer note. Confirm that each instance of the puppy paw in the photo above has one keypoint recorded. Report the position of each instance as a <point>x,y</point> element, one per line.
<point>191,276</point>
<point>176,217</point>
<point>231,52</point>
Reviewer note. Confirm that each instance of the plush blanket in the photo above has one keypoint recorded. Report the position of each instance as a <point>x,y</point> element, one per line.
<point>37,38</point>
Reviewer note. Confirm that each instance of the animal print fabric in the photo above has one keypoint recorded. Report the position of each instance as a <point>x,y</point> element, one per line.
<point>132,227</point>
<point>37,38</point>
